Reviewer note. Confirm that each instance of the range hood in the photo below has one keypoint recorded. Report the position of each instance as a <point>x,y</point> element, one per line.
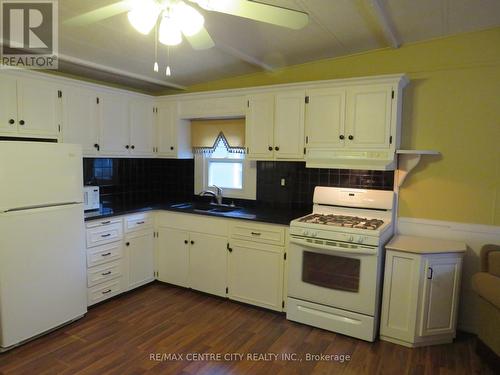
<point>343,159</point>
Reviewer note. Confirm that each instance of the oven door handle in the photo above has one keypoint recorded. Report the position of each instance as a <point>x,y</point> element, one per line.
<point>333,249</point>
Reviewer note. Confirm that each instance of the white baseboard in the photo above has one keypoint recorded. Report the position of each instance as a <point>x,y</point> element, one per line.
<point>475,236</point>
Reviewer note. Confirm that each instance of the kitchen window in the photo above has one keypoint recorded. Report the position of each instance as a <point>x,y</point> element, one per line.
<point>230,171</point>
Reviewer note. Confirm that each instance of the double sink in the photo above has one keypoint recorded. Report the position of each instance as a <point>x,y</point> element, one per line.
<point>206,207</point>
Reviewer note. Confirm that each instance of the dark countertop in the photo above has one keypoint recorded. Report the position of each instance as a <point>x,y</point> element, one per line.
<point>266,215</point>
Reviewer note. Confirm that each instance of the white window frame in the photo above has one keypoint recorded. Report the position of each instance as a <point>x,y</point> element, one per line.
<point>249,177</point>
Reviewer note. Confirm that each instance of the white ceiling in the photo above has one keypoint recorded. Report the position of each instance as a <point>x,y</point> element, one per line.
<point>336,28</point>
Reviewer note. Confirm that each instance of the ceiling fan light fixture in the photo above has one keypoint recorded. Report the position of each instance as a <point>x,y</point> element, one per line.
<point>190,21</point>
<point>170,34</point>
<point>143,15</point>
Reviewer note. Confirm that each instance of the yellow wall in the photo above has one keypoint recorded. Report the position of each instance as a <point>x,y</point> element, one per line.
<point>451,105</point>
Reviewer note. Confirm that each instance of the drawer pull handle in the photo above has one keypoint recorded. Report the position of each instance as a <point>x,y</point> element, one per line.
<point>256,233</point>
<point>106,291</point>
<point>429,277</point>
<point>140,222</point>
<point>106,273</point>
<point>105,235</point>
<point>105,222</point>
<point>106,254</point>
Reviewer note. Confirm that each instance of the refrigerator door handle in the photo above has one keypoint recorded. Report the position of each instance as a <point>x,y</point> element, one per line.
<point>40,206</point>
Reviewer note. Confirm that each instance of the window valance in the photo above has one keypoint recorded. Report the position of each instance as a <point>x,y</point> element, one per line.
<point>206,134</point>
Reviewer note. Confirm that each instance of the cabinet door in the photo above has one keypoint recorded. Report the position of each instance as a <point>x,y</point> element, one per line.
<point>207,263</point>
<point>325,118</point>
<point>38,108</point>
<point>173,256</point>
<point>369,112</point>
<point>166,125</point>
<point>140,258</point>
<point>113,116</point>
<point>255,274</point>
<point>259,126</point>
<point>440,299</point>
<point>8,105</point>
<point>400,295</point>
<point>289,125</point>
<point>141,127</point>
<point>80,123</point>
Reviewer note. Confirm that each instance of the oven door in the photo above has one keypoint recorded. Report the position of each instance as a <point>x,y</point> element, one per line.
<point>337,274</point>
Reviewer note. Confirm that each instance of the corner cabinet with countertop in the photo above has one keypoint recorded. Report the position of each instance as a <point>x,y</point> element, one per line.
<point>421,290</point>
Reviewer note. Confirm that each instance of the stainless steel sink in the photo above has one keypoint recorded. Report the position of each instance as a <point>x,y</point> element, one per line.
<point>206,207</point>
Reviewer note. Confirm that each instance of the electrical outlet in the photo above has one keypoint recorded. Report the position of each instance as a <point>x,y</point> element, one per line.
<point>283,182</point>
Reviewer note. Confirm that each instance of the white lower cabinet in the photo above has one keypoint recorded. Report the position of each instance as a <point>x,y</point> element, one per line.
<point>208,263</point>
<point>193,260</point>
<point>139,247</point>
<point>255,274</point>
<point>420,297</point>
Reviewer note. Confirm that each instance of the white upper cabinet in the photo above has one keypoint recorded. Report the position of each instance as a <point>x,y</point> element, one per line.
<point>38,108</point>
<point>259,127</point>
<point>113,116</point>
<point>166,118</point>
<point>29,107</point>
<point>325,118</point>
<point>142,126</point>
<point>289,125</point>
<point>8,105</point>
<point>80,118</point>
<point>369,111</point>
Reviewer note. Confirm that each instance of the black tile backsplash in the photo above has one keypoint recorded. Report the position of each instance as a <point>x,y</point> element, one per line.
<point>140,180</point>
<point>300,182</point>
<point>162,180</point>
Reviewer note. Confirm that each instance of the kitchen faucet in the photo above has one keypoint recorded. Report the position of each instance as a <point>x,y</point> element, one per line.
<point>217,195</point>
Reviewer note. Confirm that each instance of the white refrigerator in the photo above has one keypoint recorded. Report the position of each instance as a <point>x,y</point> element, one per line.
<point>42,252</point>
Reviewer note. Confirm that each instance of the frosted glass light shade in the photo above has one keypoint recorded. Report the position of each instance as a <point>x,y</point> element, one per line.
<point>143,15</point>
<point>189,20</point>
<point>170,33</point>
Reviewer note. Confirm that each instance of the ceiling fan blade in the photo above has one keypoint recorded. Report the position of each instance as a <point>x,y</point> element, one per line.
<point>200,40</point>
<point>272,14</point>
<point>98,14</point>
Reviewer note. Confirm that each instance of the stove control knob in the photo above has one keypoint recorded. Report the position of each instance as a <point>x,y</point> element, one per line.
<point>361,239</point>
<point>306,233</point>
<point>351,238</point>
<point>314,234</point>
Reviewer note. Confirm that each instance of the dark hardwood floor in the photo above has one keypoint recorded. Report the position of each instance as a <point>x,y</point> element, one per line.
<point>122,335</point>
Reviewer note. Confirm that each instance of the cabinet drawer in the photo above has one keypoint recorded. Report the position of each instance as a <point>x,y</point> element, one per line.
<point>104,291</point>
<point>104,254</point>
<point>259,233</point>
<point>138,222</point>
<point>104,234</point>
<point>100,274</point>
<point>100,223</point>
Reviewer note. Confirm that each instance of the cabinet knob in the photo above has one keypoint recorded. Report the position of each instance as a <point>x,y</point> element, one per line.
<point>171,147</point>
<point>276,148</point>
<point>127,147</point>
<point>11,121</point>
<point>192,242</point>
<point>270,148</point>
<point>21,122</point>
<point>96,145</point>
<point>132,147</point>
<point>341,136</point>
<point>351,137</point>
<point>128,244</point>
<point>186,242</point>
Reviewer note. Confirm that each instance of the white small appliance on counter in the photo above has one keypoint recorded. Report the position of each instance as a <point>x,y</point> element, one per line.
<point>43,280</point>
<point>91,198</point>
<point>336,257</point>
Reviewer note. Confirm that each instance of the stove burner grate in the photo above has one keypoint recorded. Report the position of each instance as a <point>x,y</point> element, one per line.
<point>343,221</point>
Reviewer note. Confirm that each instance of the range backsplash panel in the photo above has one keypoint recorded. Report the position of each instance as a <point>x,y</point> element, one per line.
<point>300,182</point>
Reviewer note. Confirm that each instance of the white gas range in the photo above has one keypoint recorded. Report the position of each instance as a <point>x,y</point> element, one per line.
<point>336,257</point>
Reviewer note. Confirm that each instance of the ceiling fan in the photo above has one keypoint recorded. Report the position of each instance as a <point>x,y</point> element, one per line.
<point>177,18</point>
